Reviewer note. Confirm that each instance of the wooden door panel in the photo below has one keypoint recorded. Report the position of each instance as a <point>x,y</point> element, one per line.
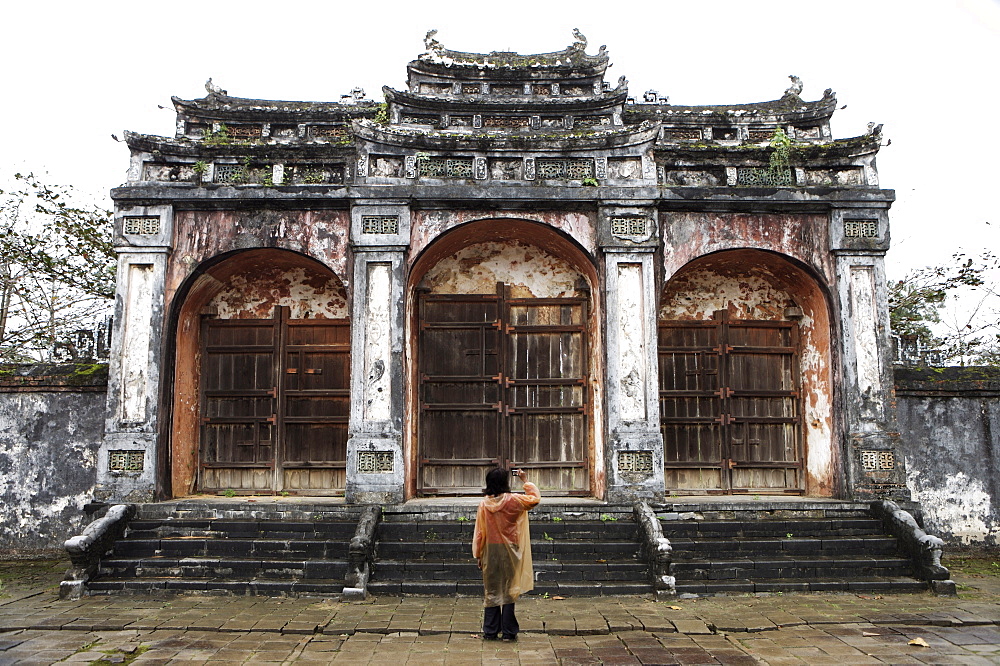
<point>502,380</point>
<point>275,399</point>
<point>729,405</point>
<point>315,405</point>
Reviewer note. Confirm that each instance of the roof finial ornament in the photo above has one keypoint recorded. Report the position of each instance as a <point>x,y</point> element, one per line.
<point>796,86</point>
<point>579,41</point>
<point>875,130</point>
<point>214,89</point>
<point>431,44</point>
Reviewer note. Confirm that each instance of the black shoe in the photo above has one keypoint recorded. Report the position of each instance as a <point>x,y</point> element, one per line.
<point>490,637</point>
<point>510,637</point>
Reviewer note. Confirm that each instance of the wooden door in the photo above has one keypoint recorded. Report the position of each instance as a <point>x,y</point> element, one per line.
<point>275,401</point>
<point>503,381</point>
<point>729,406</point>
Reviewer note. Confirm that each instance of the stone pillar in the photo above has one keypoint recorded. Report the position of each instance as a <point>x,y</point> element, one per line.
<point>873,461</point>
<point>380,233</point>
<point>127,462</point>
<point>634,449</point>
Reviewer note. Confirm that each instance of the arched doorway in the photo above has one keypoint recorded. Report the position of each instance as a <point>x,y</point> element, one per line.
<point>262,382</point>
<point>745,385</point>
<point>503,334</point>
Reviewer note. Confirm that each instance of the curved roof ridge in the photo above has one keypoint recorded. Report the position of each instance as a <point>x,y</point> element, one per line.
<point>573,55</point>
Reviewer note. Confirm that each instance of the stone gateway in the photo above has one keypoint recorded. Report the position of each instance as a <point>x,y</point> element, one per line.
<point>511,262</point>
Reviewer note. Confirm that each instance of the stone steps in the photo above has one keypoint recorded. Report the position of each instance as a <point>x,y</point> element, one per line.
<point>757,586</point>
<point>248,554</point>
<point>719,547</point>
<point>746,550</point>
<point>571,557</point>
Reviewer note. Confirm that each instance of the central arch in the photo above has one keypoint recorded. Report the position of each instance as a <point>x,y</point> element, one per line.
<point>504,359</point>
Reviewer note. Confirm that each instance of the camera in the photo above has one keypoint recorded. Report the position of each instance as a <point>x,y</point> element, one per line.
<point>515,472</point>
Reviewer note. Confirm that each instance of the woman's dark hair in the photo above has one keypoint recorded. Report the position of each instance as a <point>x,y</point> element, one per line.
<point>497,482</point>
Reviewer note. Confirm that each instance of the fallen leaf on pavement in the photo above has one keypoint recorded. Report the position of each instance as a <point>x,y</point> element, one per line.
<point>558,598</point>
<point>675,608</point>
<point>919,641</point>
<point>869,633</point>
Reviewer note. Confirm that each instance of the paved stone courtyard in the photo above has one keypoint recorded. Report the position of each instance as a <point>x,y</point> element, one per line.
<point>37,628</point>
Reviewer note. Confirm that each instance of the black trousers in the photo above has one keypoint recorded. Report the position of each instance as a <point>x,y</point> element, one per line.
<point>497,619</point>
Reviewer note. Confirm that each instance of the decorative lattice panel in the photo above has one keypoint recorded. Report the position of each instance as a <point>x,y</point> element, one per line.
<point>506,121</point>
<point>421,120</point>
<point>635,463</point>
<point>380,224</point>
<point>759,135</point>
<point>438,167</point>
<point>629,226</point>
<point>328,131</point>
<point>243,132</point>
<point>471,89</point>
<point>126,461</point>
<point>684,135</point>
<point>375,462</point>
<point>861,228</point>
<point>592,121</point>
<point>229,173</point>
<point>141,226</point>
<point>541,90</point>
<point>573,169</point>
<point>764,177</point>
<point>878,461</point>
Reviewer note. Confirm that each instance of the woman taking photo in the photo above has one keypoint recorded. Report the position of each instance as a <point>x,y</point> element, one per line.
<point>502,545</point>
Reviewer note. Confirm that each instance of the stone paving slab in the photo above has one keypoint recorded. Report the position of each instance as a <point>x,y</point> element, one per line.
<point>38,628</point>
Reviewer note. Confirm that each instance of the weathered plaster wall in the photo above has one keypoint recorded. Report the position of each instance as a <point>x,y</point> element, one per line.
<point>530,271</point>
<point>307,292</point>
<point>48,453</point>
<point>202,235</point>
<point>802,237</point>
<point>429,225</point>
<point>950,428</point>
<point>759,286</point>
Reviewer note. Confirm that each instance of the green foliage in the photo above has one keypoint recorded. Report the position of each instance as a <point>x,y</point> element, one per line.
<point>589,182</point>
<point>781,150</point>
<point>382,114</point>
<point>200,167</point>
<point>607,517</point>
<point>229,493</point>
<point>969,333</point>
<point>219,137</point>
<point>545,535</point>
<point>57,269</point>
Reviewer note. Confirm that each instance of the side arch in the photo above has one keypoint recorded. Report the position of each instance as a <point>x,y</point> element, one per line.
<point>746,360</point>
<point>261,348</point>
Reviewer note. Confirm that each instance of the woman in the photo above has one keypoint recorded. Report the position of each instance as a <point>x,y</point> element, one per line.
<point>502,545</point>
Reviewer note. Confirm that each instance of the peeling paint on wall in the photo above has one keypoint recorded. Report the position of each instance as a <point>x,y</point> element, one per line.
<point>203,235</point>
<point>952,458</point>
<point>378,343</point>
<point>308,293</point>
<point>531,272</point>
<point>957,505</point>
<point>631,340</point>
<point>866,350</point>
<point>48,453</point>
<point>135,343</point>
<point>688,236</point>
<point>429,225</point>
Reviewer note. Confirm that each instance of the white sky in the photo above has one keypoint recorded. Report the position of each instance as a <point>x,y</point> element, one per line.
<point>73,73</point>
